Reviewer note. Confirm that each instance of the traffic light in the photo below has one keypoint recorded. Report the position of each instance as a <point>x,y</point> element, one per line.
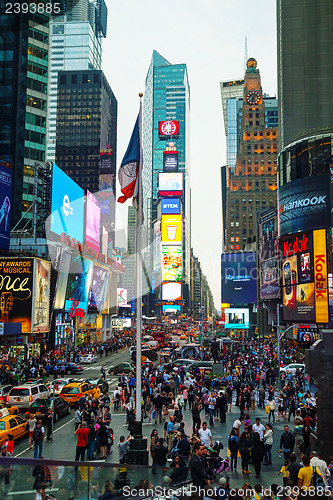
<point>296,333</point>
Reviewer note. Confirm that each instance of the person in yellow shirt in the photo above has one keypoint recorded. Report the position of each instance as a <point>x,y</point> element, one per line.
<point>305,475</point>
<point>283,471</point>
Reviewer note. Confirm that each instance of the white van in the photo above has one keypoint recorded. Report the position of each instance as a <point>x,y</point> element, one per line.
<point>24,395</point>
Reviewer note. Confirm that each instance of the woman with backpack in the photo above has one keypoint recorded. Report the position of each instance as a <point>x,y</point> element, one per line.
<point>233,445</point>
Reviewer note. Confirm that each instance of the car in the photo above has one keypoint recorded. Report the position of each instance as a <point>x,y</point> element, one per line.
<point>12,410</point>
<point>17,426</point>
<point>150,354</point>
<point>183,337</point>
<point>202,365</point>
<point>87,359</point>
<point>172,345</point>
<point>100,382</point>
<point>4,390</point>
<point>59,405</point>
<point>71,368</point>
<point>122,368</point>
<point>183,362</point>
<point>292,368</point>
<point>24,395</point>
<point>56,385</point>
<point>74,391</point>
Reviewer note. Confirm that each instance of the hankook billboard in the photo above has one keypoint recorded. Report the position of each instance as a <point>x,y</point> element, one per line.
<point>304,204</point>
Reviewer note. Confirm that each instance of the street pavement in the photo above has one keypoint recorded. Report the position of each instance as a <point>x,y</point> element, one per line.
<point>64,442</point>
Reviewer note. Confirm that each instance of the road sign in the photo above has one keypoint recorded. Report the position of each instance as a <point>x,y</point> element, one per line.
<point>266,348</point>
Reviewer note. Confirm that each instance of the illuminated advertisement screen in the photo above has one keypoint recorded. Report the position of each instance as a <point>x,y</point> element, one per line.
<point>298,278</point>
<point>172,263</point>
<point>172,229</point>
<point>268,256</point>
<point>99,288</point>
<point>237,318</point>
<point>171,309</point>
<point>79,282</point>
<point>6,180</point>
<point>60,295</point>
<point>121,297</point>
<point>67,205</point>
<point>239,278</point>
<point>16,291</point>
<point>170,184</point>
<point>41,309</point>
<point>308,334</point>
<point>168,129</point>
<point>93,222</point>
<point>170,161</point>
<point>171,291</point>
<point>171,206</point>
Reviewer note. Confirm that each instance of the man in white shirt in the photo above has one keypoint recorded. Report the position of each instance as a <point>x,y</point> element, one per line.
<point>321,465</point>
<point>259,428</point>
<point>237,425</point>
<point>205,435</point>
<point>116,398</point>
<point>211,408</point>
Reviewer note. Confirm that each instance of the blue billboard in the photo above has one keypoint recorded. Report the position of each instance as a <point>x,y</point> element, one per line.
<point>239,278</point>
<point>79,283</point>
<point>171,206</point>
<point>6,180</point>
<point>67,206</point>
<point>171,309</point>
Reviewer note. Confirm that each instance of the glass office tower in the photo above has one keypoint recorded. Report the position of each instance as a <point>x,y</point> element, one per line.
<point>167,97</point>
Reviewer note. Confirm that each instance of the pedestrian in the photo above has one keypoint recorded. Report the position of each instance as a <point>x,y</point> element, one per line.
<point>77,417</point>
<point>31,425</point>
<point>271,407</point>
<point>259,428</point>
<point>257,454</point>
<point>107,418</point>
<point>9,443</point>
<point>48,423</point>
<point>196,416</point>
<point>123,447</point>
<point>153,441</point>
<point>222,406</point>
<point>91,441</point>
<point>305,478</point>
<point>200,477</point>
<point>211,408</point>
<point>5,470</point>
<point>38,439</point>
<point>283,471</point>
<point>103,440</point>
<point>287,442</point>
<point>116,399</point>
<point>315,461</point>
<point>293,469</point>
<point>205,435</point>
<point>103,371</point>
<point>233,444</point>
<point>245,446</point>
<point>82,441</point>
<point>160,453</point>
<point>268,443</point>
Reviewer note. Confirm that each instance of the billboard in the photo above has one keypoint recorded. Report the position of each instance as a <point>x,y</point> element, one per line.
<point>16,291</point>
<point>297,277</point>
<point>60,294</point>
<point>172,229</point>
<point>41,305</point>
<point>171,206</point>
<point>172,263</point>
<point>168,129</point>
<point>93,222</point>
<point>6,180</point>
<point>237,318</point>
<point>98,290</point>
<point>171,291</point>
<point>320,275</point>
<point>121,297</point>
<point>239,278</point>
<point>304,204</point>
<point>170,161</point>
<point>170,184</point>
<point>171,309</point>
<point>67,205</point>
<point>269,286</point>
<point>307,333</point>
<point>79,282</point>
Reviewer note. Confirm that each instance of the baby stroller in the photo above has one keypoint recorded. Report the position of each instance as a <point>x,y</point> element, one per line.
<point>214,458</point>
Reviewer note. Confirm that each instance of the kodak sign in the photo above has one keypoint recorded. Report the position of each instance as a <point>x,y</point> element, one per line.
<point>320,275</point>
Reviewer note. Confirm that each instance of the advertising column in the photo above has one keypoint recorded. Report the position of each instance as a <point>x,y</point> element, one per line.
<point>320,275</point>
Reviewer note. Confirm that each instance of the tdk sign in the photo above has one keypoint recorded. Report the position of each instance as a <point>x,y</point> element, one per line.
<point>171,206</point>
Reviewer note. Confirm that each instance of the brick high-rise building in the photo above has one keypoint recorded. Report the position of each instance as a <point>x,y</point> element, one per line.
<point>251,185</point>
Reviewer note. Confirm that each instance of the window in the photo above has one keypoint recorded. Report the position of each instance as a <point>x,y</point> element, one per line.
<point>85,78</point>
<point>74,79</point>
<point>62,79</point>
<point>34,390</point>
<point>257,122</point>
<point>12,423</point>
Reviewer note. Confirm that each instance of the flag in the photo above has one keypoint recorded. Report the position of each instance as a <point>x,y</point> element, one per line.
<point>129,168</point>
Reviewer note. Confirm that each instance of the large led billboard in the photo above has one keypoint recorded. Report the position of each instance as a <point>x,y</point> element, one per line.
<point>61,287</point>
<point>239,278</point>
<point>172,229</point>
<point>16,291</point>
<point>170,161</point>
<point>67,205</point>
<point>79,282</point>
<point>171,309</point>
<point>98,290</point>
<point>121,297</point>
<point>268,255</point>
<point>172,263</point>
<point>93,222</point>
<point>304,204</point>
<point>237,318</point>
<point>171,291</point>
<point>170,184</point>
<point>171,206</point>
<point>41,305</point>
<point>6,179</point>
<point>168,129</point>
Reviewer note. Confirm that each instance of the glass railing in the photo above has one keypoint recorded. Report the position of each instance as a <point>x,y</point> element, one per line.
<point>27,479</point>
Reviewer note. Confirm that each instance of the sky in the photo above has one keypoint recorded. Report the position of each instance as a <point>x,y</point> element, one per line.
<point>209,36</point>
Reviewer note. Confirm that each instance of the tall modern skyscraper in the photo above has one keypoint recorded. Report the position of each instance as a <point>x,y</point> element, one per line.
<point>76,44</point>
<point>249,178</point>
<point>167,98</point>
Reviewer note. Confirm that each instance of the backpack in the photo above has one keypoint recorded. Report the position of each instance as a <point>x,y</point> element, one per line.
<point>317,480</point>
<point>37,434</point>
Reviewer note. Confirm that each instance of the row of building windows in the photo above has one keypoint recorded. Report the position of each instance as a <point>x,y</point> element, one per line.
<point>34,102</point>
<point>81,78</point>
<point>38,52</point>
<point>38,35</point>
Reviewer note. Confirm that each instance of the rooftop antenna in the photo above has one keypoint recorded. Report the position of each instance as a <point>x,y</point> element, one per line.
<point>245,53</point>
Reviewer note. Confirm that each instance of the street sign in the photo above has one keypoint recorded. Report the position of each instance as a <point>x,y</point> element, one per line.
<point>266,348</point>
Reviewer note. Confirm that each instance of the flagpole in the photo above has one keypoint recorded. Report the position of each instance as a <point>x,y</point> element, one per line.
<point>139,222</point>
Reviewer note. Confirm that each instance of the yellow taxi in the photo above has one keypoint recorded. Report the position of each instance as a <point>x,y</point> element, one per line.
<point>12,410</point>
<point>14,425</point>
<point>74,391</point>
<point>183,337</point>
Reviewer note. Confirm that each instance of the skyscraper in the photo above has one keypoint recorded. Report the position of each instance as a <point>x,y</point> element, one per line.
<point>76,44</point>
<point>249,178</point>
<point>167,97</point>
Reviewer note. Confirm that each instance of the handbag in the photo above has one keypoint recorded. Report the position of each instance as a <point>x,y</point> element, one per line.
<point>153,414</point>
<point>267,408</point>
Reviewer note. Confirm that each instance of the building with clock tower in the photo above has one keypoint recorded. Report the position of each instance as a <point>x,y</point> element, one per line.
<point>249,184</point>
